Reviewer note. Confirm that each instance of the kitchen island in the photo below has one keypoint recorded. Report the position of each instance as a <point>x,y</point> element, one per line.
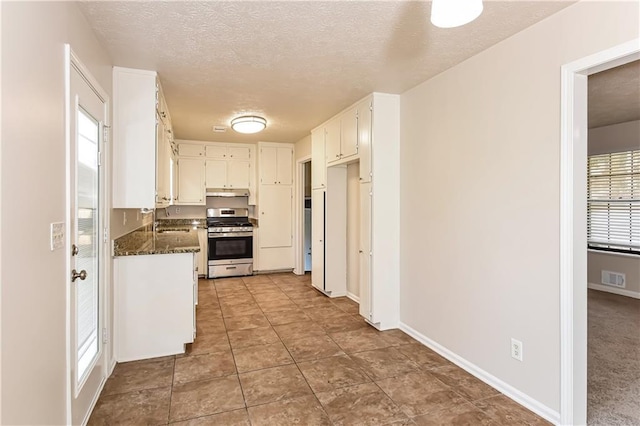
<point>155,291</point>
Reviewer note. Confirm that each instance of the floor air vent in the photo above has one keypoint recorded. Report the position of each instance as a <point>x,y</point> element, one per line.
<point>615,279</point>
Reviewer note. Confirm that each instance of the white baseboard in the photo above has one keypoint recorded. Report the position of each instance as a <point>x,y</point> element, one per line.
<point>614,290</point>
<point>353,297</point>
<point>508,390</point>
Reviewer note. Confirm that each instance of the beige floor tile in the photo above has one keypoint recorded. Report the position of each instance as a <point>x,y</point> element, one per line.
<point>229,418</point>
<point>149,406</point>
<point>305,410</point>
<point>273,384</point>
<point>331,373</point>
<point>311,302</point>
<point>383,363</point>
<point>238,310</point>
<point>286,317</point>
<point>458,415</point>
<point>464,383</point>
<point>506,411</point>
<point>271,295</point>
<point>342,323</point>
<point>210,326</point>
<point>202,398</point>
<point>359,340</point>
<point>297,330</point>
<point>262,356</point>
<point>418,393</point>
<point>252,337</point>
<point>325,312</point>
<point>208,343</point>
<point>313,347</point>
<point>203,367</point>
<point>363,404</point>
<point>347,305</point>
<point>138,375</point>
<point>424,356</point>
<point>256,279</point>
<point>276,305</point>
<point>245,322</point>
<point>398,337</point>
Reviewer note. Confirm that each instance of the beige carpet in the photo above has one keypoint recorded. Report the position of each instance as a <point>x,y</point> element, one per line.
<point>613,360</point>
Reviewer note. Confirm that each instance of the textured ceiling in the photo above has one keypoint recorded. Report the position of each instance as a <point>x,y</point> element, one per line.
<point>614,95</point>
<point>296,63</point>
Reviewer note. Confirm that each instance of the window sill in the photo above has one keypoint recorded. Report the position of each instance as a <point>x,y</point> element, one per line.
<point>613,253</point>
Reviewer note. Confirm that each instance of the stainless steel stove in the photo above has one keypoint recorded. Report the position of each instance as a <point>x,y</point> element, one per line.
<point>230,236</point>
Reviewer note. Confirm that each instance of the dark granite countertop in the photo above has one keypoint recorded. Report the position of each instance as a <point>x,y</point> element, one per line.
<point>147,240</point>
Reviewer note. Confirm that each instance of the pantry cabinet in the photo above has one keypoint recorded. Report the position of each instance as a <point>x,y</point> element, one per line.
<point>369,132</point>
<point>141,132</point>
<point>275,207</point>
<point>276,165</point>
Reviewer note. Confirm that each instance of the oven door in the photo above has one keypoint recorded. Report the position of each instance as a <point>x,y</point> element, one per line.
<point>230,246</point>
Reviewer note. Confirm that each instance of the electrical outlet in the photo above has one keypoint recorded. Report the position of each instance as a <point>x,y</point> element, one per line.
<point>124,218</point>
<point>177,210</point>
<point>516,349</point>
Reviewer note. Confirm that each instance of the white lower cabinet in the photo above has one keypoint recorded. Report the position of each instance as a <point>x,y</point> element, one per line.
<point>365,251</point>
<point>154,305</point>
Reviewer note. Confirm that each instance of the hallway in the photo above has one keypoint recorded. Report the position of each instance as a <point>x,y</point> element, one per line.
<point>271,350</point>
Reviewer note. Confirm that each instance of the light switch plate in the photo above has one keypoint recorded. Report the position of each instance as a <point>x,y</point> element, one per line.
<point>57,235</point>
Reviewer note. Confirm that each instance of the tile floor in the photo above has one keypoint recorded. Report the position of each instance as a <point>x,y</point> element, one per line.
<point>271,350</point>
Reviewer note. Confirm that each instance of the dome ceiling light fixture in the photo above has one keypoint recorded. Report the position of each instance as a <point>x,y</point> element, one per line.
<point>454,13</point>
<point>248,124</point>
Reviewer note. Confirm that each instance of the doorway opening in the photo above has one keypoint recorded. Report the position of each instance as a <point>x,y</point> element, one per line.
<point>303,220</point>
<point>573,225</point>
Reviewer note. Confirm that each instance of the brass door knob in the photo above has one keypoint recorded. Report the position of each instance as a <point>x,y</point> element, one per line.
<point>75,275</point>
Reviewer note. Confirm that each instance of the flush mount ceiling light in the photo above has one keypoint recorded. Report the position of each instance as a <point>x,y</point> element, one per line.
<point>454,13</point>
<point>248,124</point>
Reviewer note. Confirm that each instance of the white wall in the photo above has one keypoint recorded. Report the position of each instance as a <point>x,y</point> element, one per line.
<point>480,181</point>
<point>614,138</point>
<point>303,147</point>
<point>34,281</point>
<point>353,229</point>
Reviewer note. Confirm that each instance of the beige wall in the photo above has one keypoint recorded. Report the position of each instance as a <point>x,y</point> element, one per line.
<point>615,138</point>
<point>135,218</point>
<point>480,155</point>
<point>303,147</point>
<point>353,229</point>
<point>34,281</point>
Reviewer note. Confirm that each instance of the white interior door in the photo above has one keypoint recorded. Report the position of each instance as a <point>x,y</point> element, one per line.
<point>87,114</point>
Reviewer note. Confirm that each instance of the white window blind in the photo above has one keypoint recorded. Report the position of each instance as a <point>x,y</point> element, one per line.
<point>613,202</point>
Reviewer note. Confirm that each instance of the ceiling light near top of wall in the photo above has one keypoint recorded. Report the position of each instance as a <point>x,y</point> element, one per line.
<point>454,13</point>
<point>248,124</point>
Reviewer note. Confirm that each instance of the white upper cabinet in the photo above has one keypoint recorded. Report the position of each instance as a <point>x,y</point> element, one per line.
<point>216,173</point>
<point>238,174</point>
<point>332,140</point>
<point>276,165</point>
<point>190,150</point>
<point>349,133</point>
<point>228,152</point>
<point>364,140</point>
<point>318,160</point>
<point>191,177</point>
<point>141,140</point>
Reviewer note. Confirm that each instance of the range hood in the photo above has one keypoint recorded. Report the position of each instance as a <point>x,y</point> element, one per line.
<point>227,192</point>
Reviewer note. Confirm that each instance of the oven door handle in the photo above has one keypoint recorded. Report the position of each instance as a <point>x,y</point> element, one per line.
<point>217,235</point>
